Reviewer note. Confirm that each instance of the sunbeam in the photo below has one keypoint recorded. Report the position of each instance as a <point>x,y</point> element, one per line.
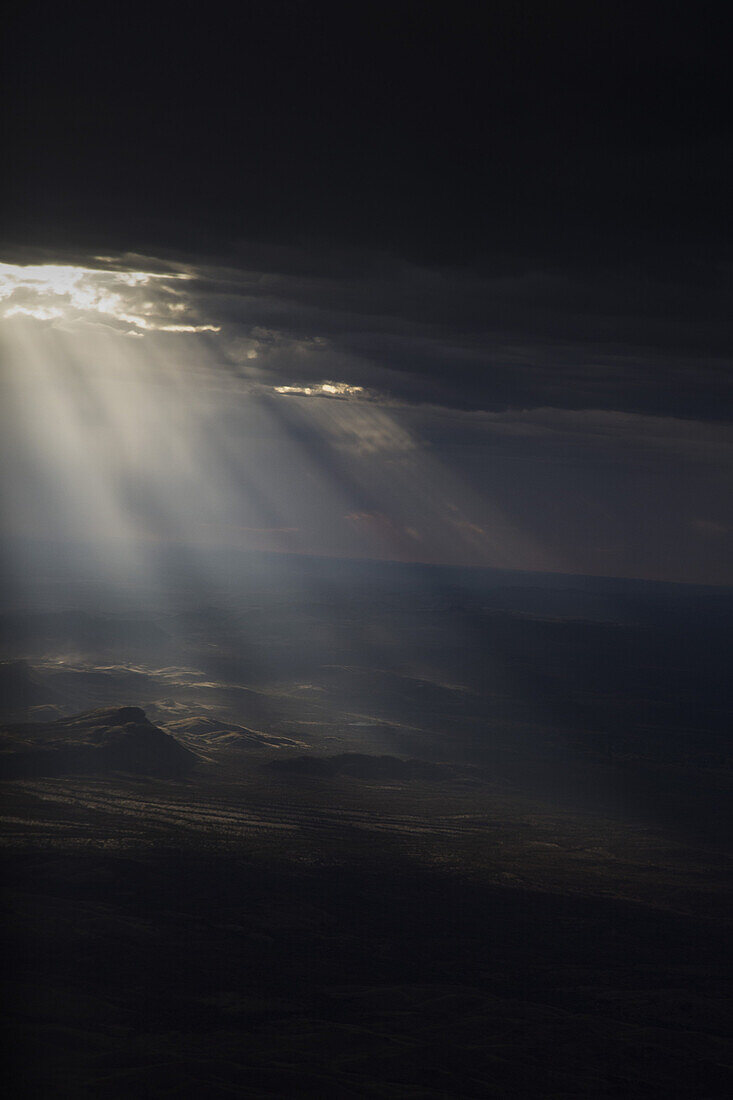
<point>366,551</point>
<point>128,433</point>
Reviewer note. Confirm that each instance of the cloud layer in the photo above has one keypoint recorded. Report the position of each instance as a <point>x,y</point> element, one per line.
<point>359,405</point>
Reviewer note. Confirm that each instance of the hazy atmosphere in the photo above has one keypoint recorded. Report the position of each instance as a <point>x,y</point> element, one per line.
<point>366,567</point>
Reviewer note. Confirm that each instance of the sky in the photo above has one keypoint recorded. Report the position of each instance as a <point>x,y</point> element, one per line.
<point>445,284</point>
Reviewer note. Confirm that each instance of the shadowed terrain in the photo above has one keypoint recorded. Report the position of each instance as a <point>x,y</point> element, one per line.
<point>103,741</point>
<point>378,838</point>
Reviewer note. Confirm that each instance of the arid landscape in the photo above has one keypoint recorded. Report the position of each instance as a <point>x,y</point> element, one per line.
<point>401,859</point>
<point>366,551</point>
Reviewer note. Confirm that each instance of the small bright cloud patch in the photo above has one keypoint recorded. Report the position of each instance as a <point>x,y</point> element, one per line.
<point>323,389</point>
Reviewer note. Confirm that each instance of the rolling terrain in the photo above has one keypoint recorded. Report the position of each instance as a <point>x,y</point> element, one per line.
<point>430,840</point>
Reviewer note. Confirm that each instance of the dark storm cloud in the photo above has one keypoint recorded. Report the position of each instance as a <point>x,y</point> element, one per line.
<point>523,336</point>
<point>492,206</point>
<point>488,247</point>
<point>448,135</point>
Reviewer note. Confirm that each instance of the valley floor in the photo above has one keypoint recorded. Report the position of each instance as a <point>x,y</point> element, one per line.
<point>246,933</point>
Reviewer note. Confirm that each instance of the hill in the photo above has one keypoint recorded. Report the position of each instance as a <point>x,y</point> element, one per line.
<point>101,741</point>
